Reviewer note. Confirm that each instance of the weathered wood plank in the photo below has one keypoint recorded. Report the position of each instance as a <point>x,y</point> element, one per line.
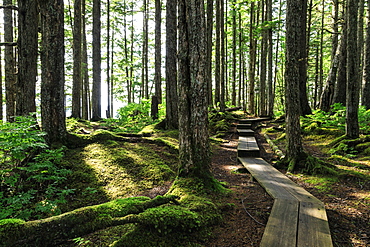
<point>263,173</point>
<point>313,226</point>
<point>248,147</point>
<point>245,132</point>
<point>244,126</point>
<point>281,228</point>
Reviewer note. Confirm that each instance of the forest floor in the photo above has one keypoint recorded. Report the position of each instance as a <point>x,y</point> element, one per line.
<point>346,198</point>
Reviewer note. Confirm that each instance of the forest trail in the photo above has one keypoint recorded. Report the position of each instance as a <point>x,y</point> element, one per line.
<point>297,217</point>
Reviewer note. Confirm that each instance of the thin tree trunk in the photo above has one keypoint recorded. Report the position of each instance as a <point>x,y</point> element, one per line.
<point>366,89</point>
<point>77,76</point>
<point>171,66</point>
<point>10,79</point>
<point>218,55</point>
<point>352,126</point>
<point>252,60</point>
<point>109,89</point>
<point>223,86</point>
<point>233,78</point>
<point>270,91</point>
<point>209,48</point>
<point>158,60</point>
<point>263,64</point>
<point>86,113</point>
<point>96,90</point>
<point>27,57</point>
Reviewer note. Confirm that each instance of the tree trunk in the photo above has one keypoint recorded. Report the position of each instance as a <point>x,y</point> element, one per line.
<point>252,60</point>
<point>218,55</point>
<point>96,87</point>
<point>366,89</point>
<point>234,58</point>
<point>270,89</point>
<point>77,76</point>
<point>302,62</point>
<point>171,66</point>
<point>341,85</point>
<point>27,57</point>
<point>295,51</point>
<point>158,60</point>
<point>328,92</point>
<point>193,104</point>
<point>263,64</point>
<point>52,66</point>
<point>209,48</point>
<point>85,75</point>
<point>109,88</point>
<point>223,86</point>
<point>352,96</point>
<point>10,79</point>
<point>144,75</point>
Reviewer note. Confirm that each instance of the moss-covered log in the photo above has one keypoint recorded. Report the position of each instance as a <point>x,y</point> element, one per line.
<point>50,231</point>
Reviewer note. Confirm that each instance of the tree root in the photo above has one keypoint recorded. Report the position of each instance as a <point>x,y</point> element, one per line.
<point>49,231</point>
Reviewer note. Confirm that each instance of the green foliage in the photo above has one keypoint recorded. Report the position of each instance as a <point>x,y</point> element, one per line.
<point>134,117</point>
<point>30,179</point>
<point>18,141</point>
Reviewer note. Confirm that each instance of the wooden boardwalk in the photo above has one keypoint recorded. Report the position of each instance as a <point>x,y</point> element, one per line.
<point>297,217</point>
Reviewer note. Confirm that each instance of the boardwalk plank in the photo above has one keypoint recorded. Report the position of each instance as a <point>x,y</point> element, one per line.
<point>281,228</point>
<point>313,226</point>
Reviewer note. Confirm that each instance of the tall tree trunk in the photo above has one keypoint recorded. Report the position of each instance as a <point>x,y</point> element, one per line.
<point>263,63</point>
<point>366,89</point>
<point>252,60</point>
<point>218,54</point>
<point>27,57</point>
<point>158,59</point>
<point>360,41</point>
<point>171,66</point>
<point>234,57</point>
<point>52,66</point>
<point>109,89</point>
<point>193,103</point>
<point>328,92</point>
<point>270,90</point>
<point>295,51</point>
<point>10,79</point>
<point>145,76</point>
<point>341,85</point>
<point>96,87</point>
<point>77,76</point>
<point>352,127</point>
<point>302,62</point>
<point>223,86</point>
<point>321,69</point>
<point>209,48</point>
<point>85,70</point>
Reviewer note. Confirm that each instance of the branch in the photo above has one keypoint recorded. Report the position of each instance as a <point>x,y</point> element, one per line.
<point>8,43</point>
<point>9,7</point>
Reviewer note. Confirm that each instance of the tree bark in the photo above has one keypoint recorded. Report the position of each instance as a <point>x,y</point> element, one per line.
<point>209,49</point>
<point>302,62</point>
<point>193,90</point>
<point>85,70</point>
<point>218,55</point>
<point>234,57</point>
<point>352,96</point>
<point>366,89</point>
<point>10,79</point>
<point>171,66</point>
<point>96,87</point>
<point>27,57</point>
<point>77,56</point>
<point>252,60</point>
<point>158,53</point>
<point>263,63</point>
<point>52,67</point>
<point>294,53</point>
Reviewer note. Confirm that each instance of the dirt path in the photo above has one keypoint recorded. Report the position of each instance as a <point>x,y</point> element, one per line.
<point>250,205</point>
